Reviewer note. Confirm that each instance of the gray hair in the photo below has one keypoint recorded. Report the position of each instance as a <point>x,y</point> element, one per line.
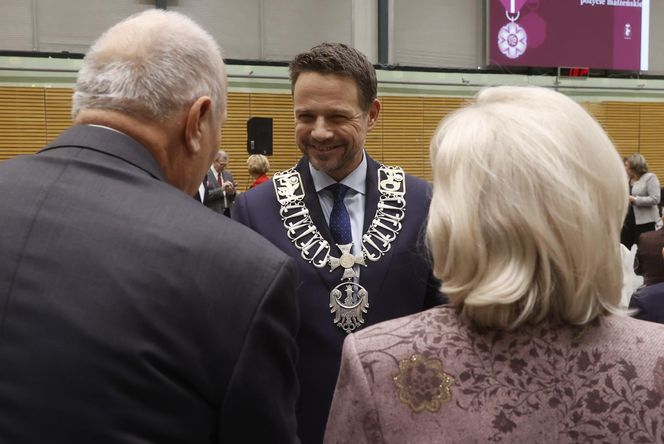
<point>529,195</point>
<point>221,154</point>
<point>151,64</point>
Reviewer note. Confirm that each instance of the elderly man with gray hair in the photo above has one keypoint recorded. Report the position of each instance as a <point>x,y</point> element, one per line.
<point>120,318</point>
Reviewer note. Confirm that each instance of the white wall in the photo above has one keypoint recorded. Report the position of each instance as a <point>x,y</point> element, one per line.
<point>427,33</point>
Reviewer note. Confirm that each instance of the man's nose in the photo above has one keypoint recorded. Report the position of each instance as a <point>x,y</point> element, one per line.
<point>321,130</point>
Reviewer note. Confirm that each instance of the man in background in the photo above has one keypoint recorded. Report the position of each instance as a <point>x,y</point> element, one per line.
<point>352,224</point>
<point>649,299</point>
<point>221,188</point>
<point>128,312</point>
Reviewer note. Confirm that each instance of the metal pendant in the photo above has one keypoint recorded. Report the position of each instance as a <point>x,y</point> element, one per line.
<point>349,302</point>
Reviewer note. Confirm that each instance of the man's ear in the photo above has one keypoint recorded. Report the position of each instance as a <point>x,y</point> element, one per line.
<point>374,110</point>
<point>198,116</point>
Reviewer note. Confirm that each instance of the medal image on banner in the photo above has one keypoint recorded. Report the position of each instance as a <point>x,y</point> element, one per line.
<point>512,38</point>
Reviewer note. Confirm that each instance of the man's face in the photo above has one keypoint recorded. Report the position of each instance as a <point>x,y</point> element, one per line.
<point>219,164</point>
<point>330,125</point>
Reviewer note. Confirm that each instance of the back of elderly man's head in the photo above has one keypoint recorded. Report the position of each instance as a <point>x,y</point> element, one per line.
<point>152,64</point>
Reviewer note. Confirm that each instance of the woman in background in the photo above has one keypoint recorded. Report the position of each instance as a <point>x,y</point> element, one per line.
<point>644,195</point>
<point>532,347</point>
<point>258,167</point>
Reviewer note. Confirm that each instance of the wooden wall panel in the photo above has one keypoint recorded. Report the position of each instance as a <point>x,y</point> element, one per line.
<point>651,137</point>
<point>234,136</point>
<point>435,109</point>
<point>31,117</point>
<point>622,124</point>
<point>58,111</point>
<point>403,138</point>
<point>285,152</point>
<point>22,121</point>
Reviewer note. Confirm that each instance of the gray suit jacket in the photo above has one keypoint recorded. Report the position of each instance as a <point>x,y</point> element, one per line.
<point>216,199</point>
<point>647,192</point>
<point>122,317</point>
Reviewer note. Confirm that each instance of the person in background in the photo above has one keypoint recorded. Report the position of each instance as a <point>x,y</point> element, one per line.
<point>627,232</point>
<point>130,313</point>
<point>649,261</point>
<point>258,166</point>
<point>352,224</point>
<point>648,301</point>
<point>533,347</point>
<point>221,189</point>
<point>644,196</point>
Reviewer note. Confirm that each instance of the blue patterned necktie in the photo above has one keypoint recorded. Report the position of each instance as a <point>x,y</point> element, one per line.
<point>339,218</point>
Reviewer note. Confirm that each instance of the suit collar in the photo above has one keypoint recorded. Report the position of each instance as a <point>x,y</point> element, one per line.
<point>356,180</point>
<point>110,142</point>
<point>312,202</point>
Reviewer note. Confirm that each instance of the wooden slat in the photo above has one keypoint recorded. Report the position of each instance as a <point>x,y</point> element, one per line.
<point>31,117</point>
<point>58,111</point>
<point>22,121</point>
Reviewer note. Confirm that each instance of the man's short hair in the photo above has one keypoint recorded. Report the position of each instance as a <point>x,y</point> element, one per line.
<point>529,198</point>
<point>221,155</point>
<point>152,65</point>
<point>341,60</point>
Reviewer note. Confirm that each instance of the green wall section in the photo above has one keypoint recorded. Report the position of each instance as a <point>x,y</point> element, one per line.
<point>61,73</point>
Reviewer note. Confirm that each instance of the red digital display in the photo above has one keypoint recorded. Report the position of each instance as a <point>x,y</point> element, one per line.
<point>574,72</point>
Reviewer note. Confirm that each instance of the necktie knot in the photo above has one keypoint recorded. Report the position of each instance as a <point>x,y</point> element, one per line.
<point>339,191</point>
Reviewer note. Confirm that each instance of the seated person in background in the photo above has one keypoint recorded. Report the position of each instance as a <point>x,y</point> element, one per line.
<point>258,166</point>
<point>533,347</point>
<point>648,301</point>
<point>649,260</point>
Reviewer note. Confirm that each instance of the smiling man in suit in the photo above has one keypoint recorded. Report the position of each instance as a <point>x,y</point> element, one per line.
<point>122,318</point>
<point>352,224</point>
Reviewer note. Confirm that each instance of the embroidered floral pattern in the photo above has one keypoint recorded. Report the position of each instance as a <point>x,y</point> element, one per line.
<point>598,396</point>
<point>422,383</point>
<point>658,374</point>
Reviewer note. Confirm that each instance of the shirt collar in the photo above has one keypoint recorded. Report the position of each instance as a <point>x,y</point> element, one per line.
<point>355,180</point>
<point>105,127</point>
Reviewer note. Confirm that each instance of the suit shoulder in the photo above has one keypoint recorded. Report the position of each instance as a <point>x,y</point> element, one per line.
<point>414,182</point>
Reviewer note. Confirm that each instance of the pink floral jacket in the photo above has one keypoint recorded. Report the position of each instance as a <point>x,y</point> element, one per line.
<point>431,378</point>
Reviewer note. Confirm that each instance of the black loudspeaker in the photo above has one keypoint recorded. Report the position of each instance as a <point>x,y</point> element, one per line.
<point>259,135</point>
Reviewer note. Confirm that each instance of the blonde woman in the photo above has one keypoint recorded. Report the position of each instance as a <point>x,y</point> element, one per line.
<point>644,195</point>
<point>258,166</point>
<point>532,347</point>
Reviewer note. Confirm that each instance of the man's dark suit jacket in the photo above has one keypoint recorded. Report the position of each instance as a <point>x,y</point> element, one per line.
<point>649,303</point>
<point>130,313</point>
<point>649,261</point>
<point>400,283</point>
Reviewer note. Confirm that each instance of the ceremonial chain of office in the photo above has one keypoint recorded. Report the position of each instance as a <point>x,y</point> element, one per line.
<point>349,300</point>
